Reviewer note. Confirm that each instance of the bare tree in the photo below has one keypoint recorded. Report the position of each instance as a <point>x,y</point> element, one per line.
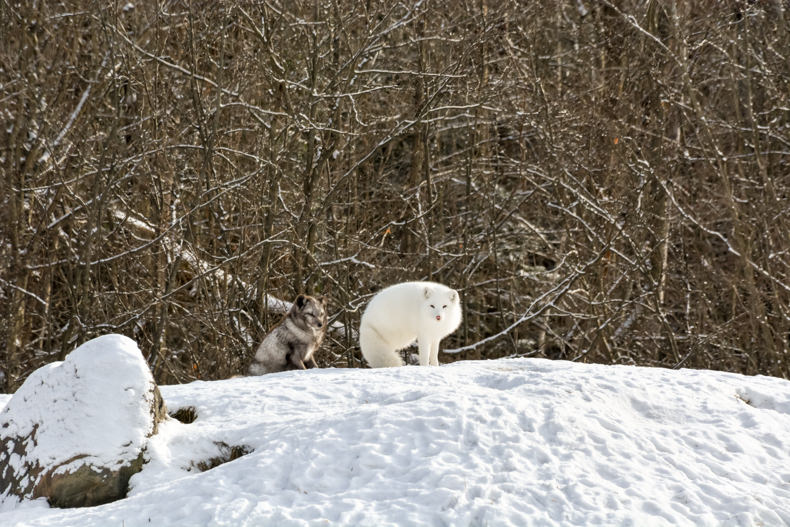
<point>604,181</point>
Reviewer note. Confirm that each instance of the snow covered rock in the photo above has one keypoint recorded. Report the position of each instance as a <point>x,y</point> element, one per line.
<point>75,431</point>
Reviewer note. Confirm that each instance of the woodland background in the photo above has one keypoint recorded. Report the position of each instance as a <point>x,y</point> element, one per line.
<point>603,181</point>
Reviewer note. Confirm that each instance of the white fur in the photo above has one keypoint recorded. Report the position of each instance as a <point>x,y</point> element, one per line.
<point>402,313</point>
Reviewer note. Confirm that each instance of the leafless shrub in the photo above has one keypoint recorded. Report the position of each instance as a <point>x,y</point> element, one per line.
<point>604,181</point>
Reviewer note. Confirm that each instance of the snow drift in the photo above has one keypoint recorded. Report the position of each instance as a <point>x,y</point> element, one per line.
<point>506,442</point>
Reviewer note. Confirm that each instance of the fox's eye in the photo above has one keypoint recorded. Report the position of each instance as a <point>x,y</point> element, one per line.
<point>433,306</point>
<point>444,306</point>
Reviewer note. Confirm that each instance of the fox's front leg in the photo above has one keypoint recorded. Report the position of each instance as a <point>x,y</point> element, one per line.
<point>424,345</point>
<point>295,360</point>
<point>434,353</point>
<point>299,363</point>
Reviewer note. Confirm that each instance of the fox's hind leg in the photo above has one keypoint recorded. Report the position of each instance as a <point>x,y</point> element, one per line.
<point>376,350</point>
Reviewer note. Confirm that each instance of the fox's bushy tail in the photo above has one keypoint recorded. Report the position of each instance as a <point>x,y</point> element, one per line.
<point>375,349</point>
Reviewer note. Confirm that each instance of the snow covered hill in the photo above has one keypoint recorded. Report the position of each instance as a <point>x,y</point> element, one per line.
<point>507,442</point>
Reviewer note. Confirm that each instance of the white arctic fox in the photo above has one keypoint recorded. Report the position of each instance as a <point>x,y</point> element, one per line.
<point>402,313</point>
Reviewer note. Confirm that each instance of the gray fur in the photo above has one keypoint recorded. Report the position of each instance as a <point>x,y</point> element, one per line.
<point>293,342</point>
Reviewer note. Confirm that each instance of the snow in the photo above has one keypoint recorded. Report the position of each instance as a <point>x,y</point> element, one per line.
<point>506,442</point>
<point>88,404</point>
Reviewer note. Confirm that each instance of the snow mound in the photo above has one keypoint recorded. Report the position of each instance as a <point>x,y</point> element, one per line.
<point>85,410</point>
<point>506,442</point>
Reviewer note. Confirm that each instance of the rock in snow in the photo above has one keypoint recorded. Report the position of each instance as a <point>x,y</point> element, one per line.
<point>75,431</point>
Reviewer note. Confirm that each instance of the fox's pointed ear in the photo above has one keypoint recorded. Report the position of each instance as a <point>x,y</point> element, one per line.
<point>321,299</point>
<point>300,301</point>
<point>427,292</point>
